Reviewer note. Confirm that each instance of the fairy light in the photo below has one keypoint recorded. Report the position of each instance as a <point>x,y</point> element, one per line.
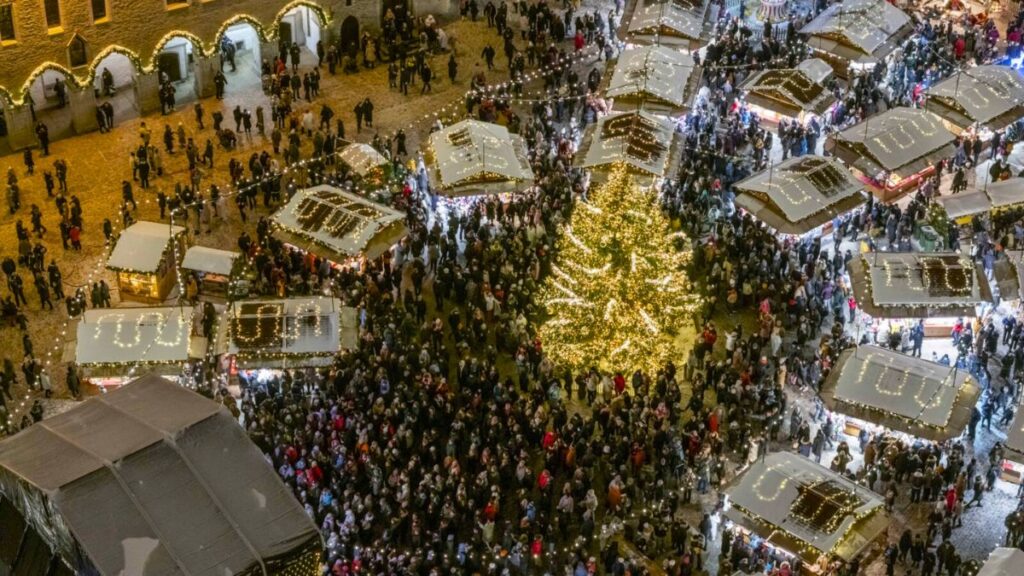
<point>655,71</point>
<point>801,187</point>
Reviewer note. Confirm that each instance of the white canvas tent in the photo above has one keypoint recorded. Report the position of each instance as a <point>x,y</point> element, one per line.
<point>306,331</point>
<point>1003,562</point>
<point>210,260</point>
<point>141,246</point>
<point>473,157</point>
<point>362,158</point>
<point>652,76</point>
<point>645,142</point>
<point>345,225</point>
<point>125,336</point>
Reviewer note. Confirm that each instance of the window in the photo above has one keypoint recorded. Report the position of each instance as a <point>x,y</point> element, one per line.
<point>7,23</point>
<point>52,8</point>
<point>99,10</point>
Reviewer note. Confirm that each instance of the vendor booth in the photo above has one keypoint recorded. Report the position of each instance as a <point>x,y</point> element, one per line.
<point>149,479</point>
<point>1013,465</point>
<point>893,151</point>
<point>215,269</point>
<point>649,145</point>
<point>989,96</point>
<point>793,93</point>
<point>363,159</point>
<point>339,225</point>
<point>801,195</point>
<point>870,385</point>
<point>854,35</point>
<point>471,158</point>
<point>805,510</point>
<point>677,24</point>
<point>287,333</point>
<point>961,208</point>
<point>657,78</point>
<point>1003,562</point>
<point>112,342</point>
<point>145,258</point>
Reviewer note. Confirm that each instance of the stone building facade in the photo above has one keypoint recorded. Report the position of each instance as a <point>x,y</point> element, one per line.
<point>42,41</point>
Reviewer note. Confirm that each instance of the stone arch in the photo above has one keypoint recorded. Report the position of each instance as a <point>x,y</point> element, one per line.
<point>315,8</point>
<point>44,69</point>
<point>197,45</point>
<point>264,36</point>
<point>175,61</point>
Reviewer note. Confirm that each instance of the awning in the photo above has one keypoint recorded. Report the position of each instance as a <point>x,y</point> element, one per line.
<point>965,204</point>
<point>211,260</point>
<point>1006,193</point>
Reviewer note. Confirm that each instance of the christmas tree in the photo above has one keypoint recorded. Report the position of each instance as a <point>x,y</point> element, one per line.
<point>617,294</point>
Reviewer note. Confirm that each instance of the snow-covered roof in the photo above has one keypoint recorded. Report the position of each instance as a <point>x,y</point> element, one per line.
<point>643,141</point>
<point>362,158</point>
<point>862,24</point>
<point>669,18</point>
<point>128,335</point>
<point>981,94</point>
<point>341,222</point>
<point>931,279</point>
<point>900,140</point>
<point>802,187</point>
<point>311,326</point>
<point>787,91</point>
<point>814,505</point>
<point>472,152</point>
<point>212,260</point>
<point>1003,562</point>
<point>652,72</point>
<point>140,247</point>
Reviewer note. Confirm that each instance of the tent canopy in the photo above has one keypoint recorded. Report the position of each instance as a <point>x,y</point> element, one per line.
<point>128,335</point>
<point>471,153</point>
<point>362,158</point>
<point>653,73</point>
<point>1006,193</point>
<point>864,25</point>
<point>1003,562</point>
<point>812,505</point>
<point>311,326</point>
<point>666,20</point>
<point>342,223</point>
<point>141,246</point>
<point>915,396</point>
<point>800,194</point>
<point>130,462</point>
<point>918,285</point>
<point>211,260</point>
<point>991,94</point>
<point>643,141</point>
<point>965,204</point>
<point>902,141</point>
<point>788,91</point>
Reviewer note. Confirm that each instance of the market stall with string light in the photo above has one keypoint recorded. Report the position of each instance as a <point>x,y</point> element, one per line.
<point>266,336</point>
<point>801,196</point>
<point>978,100</point>
<point>893,151</point>
<point>1012,467</point>
<point>939,288</point>
<point>648,145</point>
<point>215,269</point>
<point>146,256</point>
<point>112,343</point>
<point>854,35</point>
<point>341,226</point>
<point>473,158</point>
<point>1003,562</point>
<point>657,78</point>
<point>880,390</point>
<point>790,93</point>
<point>805,511</point>
<point>680,24</point>
<point>363,159</point>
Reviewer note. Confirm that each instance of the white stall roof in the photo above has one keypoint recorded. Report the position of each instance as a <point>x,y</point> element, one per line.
<point>212,260</point>
<point>965,204</point>
<point>1003,562</point>
<point>362,158</point>
<point>641,140</point>
<point>471,152</point>
<point>679,18</point>
<point>806,500</point>
<point>901,140</point>
<point>652,71</point>
<point>1004,193</point>
<point>128,335</point>
<point>314,326</point>
<point>140,247</point>
<point>983,93</point>
<point>863,24</point>
<point>932,279</point>
<point>801,187</point>
<point>816,69</point>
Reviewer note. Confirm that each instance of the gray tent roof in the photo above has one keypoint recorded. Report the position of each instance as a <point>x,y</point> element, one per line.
<point>157,480</point>
<point>863,24</point>
<point>982,94</point>
<point>901,140</point>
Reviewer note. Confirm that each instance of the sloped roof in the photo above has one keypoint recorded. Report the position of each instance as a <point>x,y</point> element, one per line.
<point>654,72</point>
<point>204,259</point>
<point>154,479</point>
<point>641,140</point>
<point>965,203</point>
<point>1003,562</point>
<point>800,188</point>
<point>680,18</point>
<point>126,335</point>
<point>899,140</point>
<point>788,91</point>
<point>362,158</point>
<point>471,152</point>
<point>862,24</point>
<point>140,247</point>
<point>816,69</point>
<point>981,94</point>
<point>918,285</point>
<point>311,326</point>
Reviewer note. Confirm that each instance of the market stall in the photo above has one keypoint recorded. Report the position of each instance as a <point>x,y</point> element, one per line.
<point>892,151</point>
<point>962,207</point>
<point>339,225</point>
<point>111,343</point>
<point>682,24</point>
<point>790,93</point>
<point>471,158</point>
<point>286,333</point>
<point>151,478</point>
<point>363,159</point>
<point>801,195</point>
<point>870,385</point>
<point>989,97</point>
<point>214,268</point>
<point>145,258</point>
<point>805,510</point>
<point>657,78</point>
<point>854,35</point>
<point>647,144</point>
<point>1003,562</point>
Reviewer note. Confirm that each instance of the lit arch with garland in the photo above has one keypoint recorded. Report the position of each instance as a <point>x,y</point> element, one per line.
<point>261,32</point>
<point>315,8</point>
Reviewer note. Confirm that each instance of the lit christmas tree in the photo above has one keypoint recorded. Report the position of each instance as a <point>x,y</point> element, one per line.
<point>618,294</point>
